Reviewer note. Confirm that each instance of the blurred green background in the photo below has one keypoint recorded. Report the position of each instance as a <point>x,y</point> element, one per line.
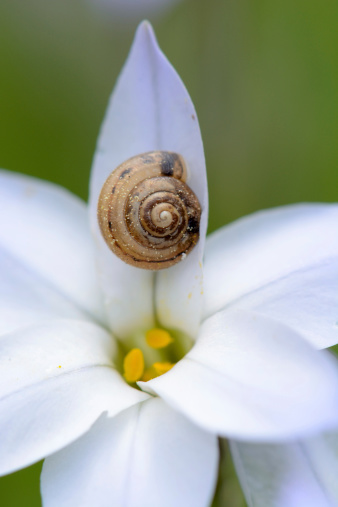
<point>264,79</point>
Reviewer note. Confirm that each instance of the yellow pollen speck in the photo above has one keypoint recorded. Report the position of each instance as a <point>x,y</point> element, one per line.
<point>158,338</point>
<point>133,365</point>
<point>59,366</point>
<point>189,295</point>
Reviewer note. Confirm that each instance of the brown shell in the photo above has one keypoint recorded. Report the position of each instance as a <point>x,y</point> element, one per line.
<point>148,216</point>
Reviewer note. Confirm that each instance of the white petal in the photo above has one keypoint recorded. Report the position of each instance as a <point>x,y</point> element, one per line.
<point>150,110</point>
<point>147,456</point>
<point>307,301</point>
<point>282,263</point>
<point>26,298</point>
<point>284,475</point>
<point>249,377</point>
<point>46,229</point>
<point>55,381</point>
<point>47,349</point>
<point>322,453</point>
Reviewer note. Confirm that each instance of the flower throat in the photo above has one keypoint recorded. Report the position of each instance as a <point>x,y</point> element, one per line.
<point>153,353</point>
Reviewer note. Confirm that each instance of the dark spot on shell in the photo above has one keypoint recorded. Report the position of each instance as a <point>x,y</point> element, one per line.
<point>167,163</point>
<point>125,172</point>
<point>110,225</point>
<point>147,159</point>
<point>193,225</point>
<point>113,190</point>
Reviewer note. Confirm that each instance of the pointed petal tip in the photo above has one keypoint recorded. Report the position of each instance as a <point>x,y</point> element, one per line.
<point>145,32</point>
<point>145,26</point>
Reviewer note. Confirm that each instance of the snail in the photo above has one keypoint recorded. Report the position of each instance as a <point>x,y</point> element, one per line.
<point>148,215</point>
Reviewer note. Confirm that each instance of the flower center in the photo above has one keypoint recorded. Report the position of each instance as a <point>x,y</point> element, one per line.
<point>157,352</point>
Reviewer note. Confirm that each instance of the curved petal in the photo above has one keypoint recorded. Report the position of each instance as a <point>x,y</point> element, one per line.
<point>148,455</point>
<point>307,301</point>
<point>282,263</point>
<point>26,299</point>
<point>150,110</point>
<point>46,229</point>
<point>249,377</point>
<point>56,380</point>
<point>322,454</point>
<point>285,475</point>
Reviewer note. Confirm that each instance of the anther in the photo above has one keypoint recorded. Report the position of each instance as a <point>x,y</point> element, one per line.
<point>158,338</point>
<point>133,365</point>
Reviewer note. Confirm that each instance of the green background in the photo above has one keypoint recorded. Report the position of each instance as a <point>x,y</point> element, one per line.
<point>263,76</point>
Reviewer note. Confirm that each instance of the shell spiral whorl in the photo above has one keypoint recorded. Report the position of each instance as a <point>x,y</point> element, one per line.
<point>148,216</point>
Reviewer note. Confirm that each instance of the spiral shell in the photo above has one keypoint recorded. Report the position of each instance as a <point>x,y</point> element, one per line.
<point>148,216</point>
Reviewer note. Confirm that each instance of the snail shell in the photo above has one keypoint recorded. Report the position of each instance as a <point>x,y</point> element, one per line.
<point>148,216</point>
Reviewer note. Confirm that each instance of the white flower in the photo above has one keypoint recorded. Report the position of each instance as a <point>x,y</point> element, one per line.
<point>268,299</point>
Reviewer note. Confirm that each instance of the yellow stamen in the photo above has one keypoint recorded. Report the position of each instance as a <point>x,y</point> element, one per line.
<point>156,370</point>
<point>133,365</point>
<point>149,374</point>
<point>158,338</point>
<point>161,368</point>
